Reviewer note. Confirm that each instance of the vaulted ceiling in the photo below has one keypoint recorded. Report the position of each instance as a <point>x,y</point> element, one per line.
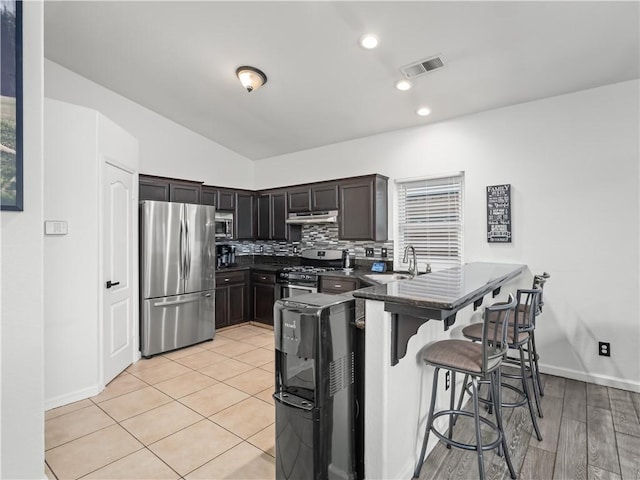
<point>179,58</point>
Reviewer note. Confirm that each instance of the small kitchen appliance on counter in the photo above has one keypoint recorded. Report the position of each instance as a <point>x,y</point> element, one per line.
<point>225,256</point>
<point>347,261</point>
<point>314,387</point>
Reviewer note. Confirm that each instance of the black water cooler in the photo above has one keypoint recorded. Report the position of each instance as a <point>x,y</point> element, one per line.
<point>314,391</point>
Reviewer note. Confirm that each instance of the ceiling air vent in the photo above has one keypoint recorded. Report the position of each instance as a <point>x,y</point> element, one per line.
<point>423,66</point>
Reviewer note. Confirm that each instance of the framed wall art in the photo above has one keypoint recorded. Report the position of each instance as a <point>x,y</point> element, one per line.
<point>499,213</point>
<point>11,106</point>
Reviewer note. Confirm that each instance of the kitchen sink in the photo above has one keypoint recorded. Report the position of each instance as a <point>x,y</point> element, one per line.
<point>388,277</point>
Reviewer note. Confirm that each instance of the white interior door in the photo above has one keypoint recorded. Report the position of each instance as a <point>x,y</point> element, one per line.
<point>119,301</point>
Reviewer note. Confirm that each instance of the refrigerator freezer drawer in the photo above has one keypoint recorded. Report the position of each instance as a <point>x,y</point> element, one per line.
<point>178,321</point>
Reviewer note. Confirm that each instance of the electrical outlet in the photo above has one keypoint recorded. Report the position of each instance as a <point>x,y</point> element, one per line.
<point>447,380</point>
<point>295,249</point>
<point>383,252</point>
<point>261,249</point>
<point>368,252</point>
<point>604,349</point>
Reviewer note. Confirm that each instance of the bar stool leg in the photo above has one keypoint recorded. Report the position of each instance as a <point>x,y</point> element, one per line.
<point>476,417</point>
<point>525,386</point>
<point>461,398</point>
<point>452,400</point>
<point>535,359</point>
<point>432,405</point>
<point>534,379</point>
<point>496,385</point>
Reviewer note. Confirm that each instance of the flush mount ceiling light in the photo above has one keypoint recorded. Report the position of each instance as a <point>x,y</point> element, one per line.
<point>369,41</point>
<point>251,78</point>
<point>423,111</point>
<point>403,85</point>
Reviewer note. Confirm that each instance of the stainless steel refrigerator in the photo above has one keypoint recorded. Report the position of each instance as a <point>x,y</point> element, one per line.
<point>177,275</point>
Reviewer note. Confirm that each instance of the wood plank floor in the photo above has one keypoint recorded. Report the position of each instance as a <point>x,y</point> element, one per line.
<point>589,432</point>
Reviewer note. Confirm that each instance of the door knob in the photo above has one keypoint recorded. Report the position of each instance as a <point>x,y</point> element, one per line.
<point>112,284</point>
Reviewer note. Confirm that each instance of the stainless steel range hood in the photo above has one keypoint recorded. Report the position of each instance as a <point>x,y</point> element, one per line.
<point>311,218</point>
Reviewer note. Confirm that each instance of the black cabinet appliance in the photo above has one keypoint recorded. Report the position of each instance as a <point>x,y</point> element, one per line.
<point>314,387</point>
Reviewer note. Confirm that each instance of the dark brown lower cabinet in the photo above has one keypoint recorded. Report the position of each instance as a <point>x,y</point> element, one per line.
<point>263,286</point>
<point>231,298</point>
<point>338,284</point>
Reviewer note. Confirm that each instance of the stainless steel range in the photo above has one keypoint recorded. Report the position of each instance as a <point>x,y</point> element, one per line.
<point>298,280</point>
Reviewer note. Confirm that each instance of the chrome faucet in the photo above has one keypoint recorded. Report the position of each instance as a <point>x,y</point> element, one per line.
<point>413,266</point>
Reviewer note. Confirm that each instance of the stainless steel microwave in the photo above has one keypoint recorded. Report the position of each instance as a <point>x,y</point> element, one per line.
<point>224,225</point>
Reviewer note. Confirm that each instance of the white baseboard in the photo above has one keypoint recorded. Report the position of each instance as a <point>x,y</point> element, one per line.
<point>61,400</point>
<point>604,380</point>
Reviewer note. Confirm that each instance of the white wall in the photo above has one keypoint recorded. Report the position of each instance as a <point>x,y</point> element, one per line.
<point>21,408</point>
<point>166,148</point>
<point>71,262</point>
<point>572,161</point>
<point>77,142</point>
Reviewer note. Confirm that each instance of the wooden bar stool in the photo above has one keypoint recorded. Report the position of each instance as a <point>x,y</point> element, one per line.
<point>518,337</point>
<point>481,362</point>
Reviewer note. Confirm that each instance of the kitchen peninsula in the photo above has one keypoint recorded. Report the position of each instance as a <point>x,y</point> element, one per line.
<point>400,319</point>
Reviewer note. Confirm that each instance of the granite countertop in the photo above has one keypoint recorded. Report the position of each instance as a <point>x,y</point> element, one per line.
<point>265,267</point>
<point>444,290</point>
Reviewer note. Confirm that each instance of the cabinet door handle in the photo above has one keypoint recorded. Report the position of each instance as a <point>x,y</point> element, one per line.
<point>263,278</point>
<point>337,285</point>
<point>112,284</point>
<point>226,279</point>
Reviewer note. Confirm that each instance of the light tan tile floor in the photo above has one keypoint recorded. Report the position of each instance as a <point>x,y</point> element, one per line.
<point>203,412</point>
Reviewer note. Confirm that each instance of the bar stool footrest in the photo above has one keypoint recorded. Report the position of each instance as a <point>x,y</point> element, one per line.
<point>486,401</point>
<point>466,446</point>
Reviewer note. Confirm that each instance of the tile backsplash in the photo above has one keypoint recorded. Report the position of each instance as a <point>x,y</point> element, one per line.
<point>324,236</point>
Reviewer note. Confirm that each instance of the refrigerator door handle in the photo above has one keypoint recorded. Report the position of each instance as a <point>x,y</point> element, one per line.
<point>187,252</point>
<point>181,259</point>
<point>177,302</point>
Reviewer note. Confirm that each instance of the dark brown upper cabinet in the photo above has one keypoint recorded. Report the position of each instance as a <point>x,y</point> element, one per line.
<point>363,208</point>
<point>184,192</point>
<point>245,220</point>
<point>361,202</point>
<point>299,199</point>
<point>168,189</point>
<point>209,196</point>
<point>153,188</point>
<point>324,196</point>
<point>272,216</point>
<point>226,199</point>
<point>315,197</point>
<point>221,198</point>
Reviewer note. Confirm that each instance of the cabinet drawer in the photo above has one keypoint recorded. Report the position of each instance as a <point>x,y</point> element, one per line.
<point>338,284</point>
<point>229,278</point>
<point>263,277</point>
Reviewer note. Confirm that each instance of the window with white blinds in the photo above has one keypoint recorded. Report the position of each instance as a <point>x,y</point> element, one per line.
<point>430,219</point>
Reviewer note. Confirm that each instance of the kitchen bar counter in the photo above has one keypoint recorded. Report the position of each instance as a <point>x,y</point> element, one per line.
<point>397,328</point>
<point>436,296</point>
<point>448,290</point>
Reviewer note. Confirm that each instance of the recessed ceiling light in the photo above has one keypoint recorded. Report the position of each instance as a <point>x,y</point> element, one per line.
<point>369,41</point>
<point>423,111</point>
<point>403,85</point>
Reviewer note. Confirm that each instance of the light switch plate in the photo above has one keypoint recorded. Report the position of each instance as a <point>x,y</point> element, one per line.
<point>56,227</point>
